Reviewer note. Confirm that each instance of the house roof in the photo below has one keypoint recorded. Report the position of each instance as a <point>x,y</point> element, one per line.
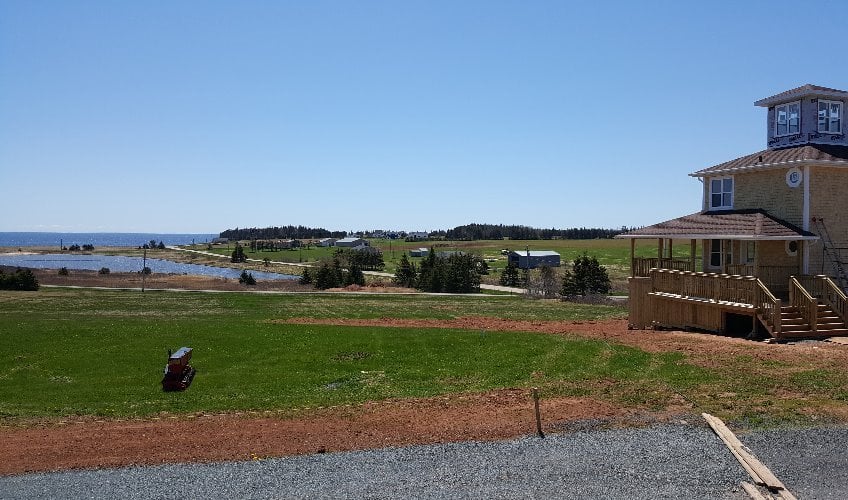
<point>723,224</point>
<point>348,240</point>
<point>810,154</point>
<point>803,90</point>
<point>536,253</point>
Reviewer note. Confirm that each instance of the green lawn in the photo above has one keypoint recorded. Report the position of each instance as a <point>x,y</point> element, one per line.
<point>99,352</point>
<point>92,352</point>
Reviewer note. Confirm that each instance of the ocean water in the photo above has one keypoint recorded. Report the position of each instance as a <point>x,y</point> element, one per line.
<point>133,240</point>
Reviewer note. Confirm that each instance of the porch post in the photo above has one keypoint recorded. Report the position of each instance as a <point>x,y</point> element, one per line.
<point>660,244</point>
<point>670,248</point>
<point>692,250</point>
<point>632,257</point>
<point>802,250</point>
<point>757,258</point>
<point>723,256</point>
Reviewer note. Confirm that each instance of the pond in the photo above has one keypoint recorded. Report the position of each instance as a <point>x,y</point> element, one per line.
<point>123,264</point>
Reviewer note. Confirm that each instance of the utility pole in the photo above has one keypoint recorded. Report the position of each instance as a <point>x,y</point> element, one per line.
<point>527,270</point>
<point>144,271</point>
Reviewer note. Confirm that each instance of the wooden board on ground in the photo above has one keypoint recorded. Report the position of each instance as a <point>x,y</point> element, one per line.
<point>759,472</point>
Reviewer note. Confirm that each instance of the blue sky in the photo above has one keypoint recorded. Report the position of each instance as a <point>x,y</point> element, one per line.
<point>199,116</point>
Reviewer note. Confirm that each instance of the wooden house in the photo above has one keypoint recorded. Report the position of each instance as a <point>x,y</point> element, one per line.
<point>767,251</point>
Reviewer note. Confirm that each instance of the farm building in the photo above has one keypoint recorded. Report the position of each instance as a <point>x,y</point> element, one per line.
<point>326,242</point>
<point>351,242</point>
<point>532,259</point>
<point>419,252</point>
<point>768,247</point>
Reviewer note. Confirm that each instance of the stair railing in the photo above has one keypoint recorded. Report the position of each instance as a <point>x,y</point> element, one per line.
<point>830,252</point>
<point>804,302</point>
<point>768,306</point>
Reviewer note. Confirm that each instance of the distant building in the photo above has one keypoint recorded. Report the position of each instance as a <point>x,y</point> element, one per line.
<point>351,242</point>
<point>417,235</point>
<point>326,242</point>
<point>419,252</point>
<point>534,259</point>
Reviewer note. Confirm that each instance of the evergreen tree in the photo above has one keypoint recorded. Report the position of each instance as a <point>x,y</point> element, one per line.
<point>238,254</point>
<point>306,277</point>
<point>326,277</point>
<point>406,274</point>
<point>510,276</point>
<point>354,276</point>
<point>587,277</point>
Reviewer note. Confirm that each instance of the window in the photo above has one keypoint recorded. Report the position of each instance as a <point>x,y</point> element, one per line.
<point>750,252</point>
<point>721,192</point>
<point>787,119</point>
<point>716,258</point>
<point>715,253</point>
<point>830,116</point>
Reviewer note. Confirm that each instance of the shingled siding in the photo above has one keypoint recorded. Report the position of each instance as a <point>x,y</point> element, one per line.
<point>768,190</point>
<point>829,200</point>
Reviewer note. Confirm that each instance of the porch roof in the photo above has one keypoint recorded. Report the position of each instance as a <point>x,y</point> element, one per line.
<point>810,154</point>
<point>723,224</point>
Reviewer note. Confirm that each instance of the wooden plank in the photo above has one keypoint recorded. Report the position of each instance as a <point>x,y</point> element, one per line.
<point>759,472</point>
<point>753,492</point>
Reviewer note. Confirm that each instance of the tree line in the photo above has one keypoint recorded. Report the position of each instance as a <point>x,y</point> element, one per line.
<point>280,232</point>
<point>500,231</point>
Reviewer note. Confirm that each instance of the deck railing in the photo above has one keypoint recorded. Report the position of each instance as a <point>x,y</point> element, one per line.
<point>804,302</point>
<point>746,290</point>
<point>824,289</point>
<point>776,278</point>
<point>642,265</point>
<point>768,306</point>
<point>707,286</point>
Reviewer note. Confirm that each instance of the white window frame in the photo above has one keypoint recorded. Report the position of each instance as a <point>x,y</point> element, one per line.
<point>828,119</point>
<point>788,122</point>
<point>721,180</point>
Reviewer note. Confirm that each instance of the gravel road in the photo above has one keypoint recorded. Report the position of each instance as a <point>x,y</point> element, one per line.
<point>681,460</point>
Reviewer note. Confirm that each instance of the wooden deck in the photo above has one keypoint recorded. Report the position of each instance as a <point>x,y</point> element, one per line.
<point>673,298</point>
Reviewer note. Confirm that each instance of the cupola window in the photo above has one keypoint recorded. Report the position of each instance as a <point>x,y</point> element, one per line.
<point>787,119</point>
<point>830,116</point>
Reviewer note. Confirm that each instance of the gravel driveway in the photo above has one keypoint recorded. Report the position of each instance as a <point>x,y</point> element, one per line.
<point>682,460</point>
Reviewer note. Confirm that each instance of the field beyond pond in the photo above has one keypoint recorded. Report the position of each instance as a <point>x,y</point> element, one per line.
<point>614,254</point>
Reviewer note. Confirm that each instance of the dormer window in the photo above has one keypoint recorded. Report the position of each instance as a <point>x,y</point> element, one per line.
<point>721,193</point>
<point>787,119</point>
<point>830,116</point>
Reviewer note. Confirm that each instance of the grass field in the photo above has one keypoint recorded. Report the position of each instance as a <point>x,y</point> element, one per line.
<point>614,254</point>
<point>95,352</point>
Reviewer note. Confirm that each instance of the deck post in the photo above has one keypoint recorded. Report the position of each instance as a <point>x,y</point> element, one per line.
<point>670,248</point>
<point>660,245</point>
<point>692,251</point>
<point>632,257</point>
<point>757,258</point>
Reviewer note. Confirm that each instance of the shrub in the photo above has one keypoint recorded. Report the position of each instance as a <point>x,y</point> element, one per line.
<point>306,277</point>
<point>63,271</point>
<point>22,279</point>
<point>104,270</point>
<point>88,247</point>
<point>246,278</point>
<point>146,270</point>
<point>74,248</point>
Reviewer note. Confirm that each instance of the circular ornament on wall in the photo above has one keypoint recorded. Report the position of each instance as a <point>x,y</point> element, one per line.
<point>791,248</point>
<point>794,177</point>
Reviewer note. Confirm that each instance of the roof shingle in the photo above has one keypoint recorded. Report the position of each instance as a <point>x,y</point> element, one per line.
<point>774,158</point>
<point>730,224</point>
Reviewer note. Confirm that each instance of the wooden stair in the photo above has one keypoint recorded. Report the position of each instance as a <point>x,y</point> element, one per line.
<point>793,326</point>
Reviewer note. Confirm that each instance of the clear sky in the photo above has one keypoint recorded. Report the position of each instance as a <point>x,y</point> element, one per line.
<point>199,116</point>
